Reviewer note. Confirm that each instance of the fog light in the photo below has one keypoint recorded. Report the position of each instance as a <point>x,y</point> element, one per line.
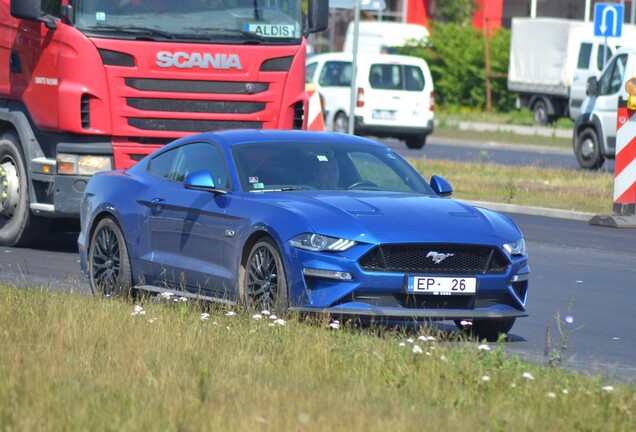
<point>329,274</point>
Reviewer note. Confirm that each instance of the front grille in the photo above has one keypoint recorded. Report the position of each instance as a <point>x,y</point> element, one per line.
<point>196,106</point>
<point>185,86</point>
<point>411,301</point>
<point>418,258</point>
<point>191,125</point>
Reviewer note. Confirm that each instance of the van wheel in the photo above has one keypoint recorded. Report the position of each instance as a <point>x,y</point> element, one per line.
<point>415,142</point>
<point>540,111</point>
<point>18,226</point>
<point>588,151</point>
<point>341,123</point>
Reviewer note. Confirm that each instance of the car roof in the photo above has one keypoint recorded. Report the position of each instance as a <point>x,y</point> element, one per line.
<point>229,138</point>
<point>365,57</point>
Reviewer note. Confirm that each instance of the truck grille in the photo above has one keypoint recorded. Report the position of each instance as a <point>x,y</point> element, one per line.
<point>185,86</point>
<point>196,106</point>
<point>415,258</point>
<point>191,125</point>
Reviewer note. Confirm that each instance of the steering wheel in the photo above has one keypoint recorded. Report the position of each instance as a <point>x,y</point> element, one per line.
<point>366,183</point>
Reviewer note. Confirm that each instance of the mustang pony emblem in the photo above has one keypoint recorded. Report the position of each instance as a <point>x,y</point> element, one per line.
<point>438,257</point>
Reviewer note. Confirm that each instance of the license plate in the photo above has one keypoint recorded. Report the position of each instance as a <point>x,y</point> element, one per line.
<point>383,115</point>
<point>441,285</point>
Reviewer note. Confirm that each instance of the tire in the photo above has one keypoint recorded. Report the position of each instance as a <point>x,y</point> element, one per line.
<point>540,113</point>
<point>18,226</point>
<point>587,150</point>
<point>341,123</point>
<point>487,329</point>
<point>415,142</point>
<point>263,284</point>
<point>108,261</point>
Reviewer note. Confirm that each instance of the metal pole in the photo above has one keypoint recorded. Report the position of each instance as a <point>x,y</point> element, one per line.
<point>588,8</point>
<point>533,9</point>
<point>632,17</point>
<point>354,69</point>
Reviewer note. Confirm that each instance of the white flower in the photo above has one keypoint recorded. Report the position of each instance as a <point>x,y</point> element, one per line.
<point>551,395</point>
<point>166,295</point>
<point>417,349</point>
<point>257,316</point>
<point>485,378</point>
<point>528,376</point>
<point>410,340</point>
<point>151,320</point>
<point>466,323</point>
<point>401,344</point>
<point>569,319</point>
<point>205,316</point>
<point>265,312</point>
<point>422,338</point>
<point>334,325</point>
<point>183,299</point>
<point>564,391</point>
<point>230,313</point>
<point>280,321</point>
<point>443,358</point>
<point>138,310</point>
<point>608,389</point>
<point>273,317</point>
<point>483,347</point>
<point>431,338</point>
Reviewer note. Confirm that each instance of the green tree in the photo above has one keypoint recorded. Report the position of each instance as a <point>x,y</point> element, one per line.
<point>455,11</point>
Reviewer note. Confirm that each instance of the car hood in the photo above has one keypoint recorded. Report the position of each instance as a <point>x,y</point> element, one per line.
<point>396,217</point>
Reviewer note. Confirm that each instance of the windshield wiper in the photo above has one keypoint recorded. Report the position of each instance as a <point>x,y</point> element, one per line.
<point>211,33</point>
<point>132,30</point>
<point>281,189</point>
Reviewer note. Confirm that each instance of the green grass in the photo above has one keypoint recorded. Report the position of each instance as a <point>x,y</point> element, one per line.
<point>452,132</point>
<point>77,363</point>
<point>523,117</point>
<point>562,189</point>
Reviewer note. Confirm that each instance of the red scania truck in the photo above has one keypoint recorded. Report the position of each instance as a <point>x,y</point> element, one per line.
<point>93,85</point>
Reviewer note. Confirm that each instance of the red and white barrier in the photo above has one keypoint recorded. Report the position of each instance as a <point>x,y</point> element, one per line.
<point>624,172</point>
<point>315,119</point>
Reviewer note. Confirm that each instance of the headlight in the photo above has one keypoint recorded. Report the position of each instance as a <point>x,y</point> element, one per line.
<point>320,243</point>
<point>70,164</point>
<point>516,248</point>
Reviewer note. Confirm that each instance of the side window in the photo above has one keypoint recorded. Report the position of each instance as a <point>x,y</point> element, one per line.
<point>198,156</point>
<point>584,56</point>
<point>612,78</point>
<point>385,76</point>
<point>310,71</point>
<point>414,78</point>
<point>52,7</point>
<point>603,56</point>
<point>335,74</point>
<point>162,164</point>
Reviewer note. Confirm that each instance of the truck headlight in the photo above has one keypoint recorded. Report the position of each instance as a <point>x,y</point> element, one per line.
<point>70,164</point>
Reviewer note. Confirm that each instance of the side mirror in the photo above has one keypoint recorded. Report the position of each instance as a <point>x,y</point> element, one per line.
<point>441,186</point>
<point>201,180</point>
<point>31,10</point>
<point>591,87</point>
<point>317,16</point>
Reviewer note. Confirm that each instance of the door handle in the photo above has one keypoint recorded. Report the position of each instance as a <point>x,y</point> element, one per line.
<point>158,201</point>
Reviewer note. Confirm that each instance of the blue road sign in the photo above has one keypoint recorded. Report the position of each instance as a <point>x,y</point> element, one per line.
<point>608,19</point>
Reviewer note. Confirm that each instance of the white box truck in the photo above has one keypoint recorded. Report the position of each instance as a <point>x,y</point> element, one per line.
<point>551,60</point>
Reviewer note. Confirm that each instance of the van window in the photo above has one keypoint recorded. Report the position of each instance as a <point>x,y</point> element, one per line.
<point>385,77</point>
<point>310,71</point>
<point>335,74</point>
<point>584,55</point>
<point>603,56</point>
<point>396,77</point>
<point>612,79</point>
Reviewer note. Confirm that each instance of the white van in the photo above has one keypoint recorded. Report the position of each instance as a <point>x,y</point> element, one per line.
<point>594,132</point>
<point>377,37</point>
<point>395,95</point>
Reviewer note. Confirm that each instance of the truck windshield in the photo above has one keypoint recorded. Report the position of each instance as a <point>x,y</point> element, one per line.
<point>220,21</point>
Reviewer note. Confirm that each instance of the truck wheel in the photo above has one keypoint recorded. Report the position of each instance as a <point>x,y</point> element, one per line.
<point>587,150</point>
<point>540,111</point>
<point>18,226</point>
<point>341,123</point>
<point>415,141</point>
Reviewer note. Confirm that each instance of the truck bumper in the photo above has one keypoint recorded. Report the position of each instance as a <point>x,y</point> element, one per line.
<point>58,196</point>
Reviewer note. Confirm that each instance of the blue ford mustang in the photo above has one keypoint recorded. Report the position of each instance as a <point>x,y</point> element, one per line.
<point>306,221</point>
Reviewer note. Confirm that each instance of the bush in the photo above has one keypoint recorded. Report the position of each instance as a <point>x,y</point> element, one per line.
<point>456,56</point>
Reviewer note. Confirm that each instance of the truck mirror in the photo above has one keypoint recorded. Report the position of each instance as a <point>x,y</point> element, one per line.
<point>591,88</point>
<point>317,16</point>
<point>31,10</point>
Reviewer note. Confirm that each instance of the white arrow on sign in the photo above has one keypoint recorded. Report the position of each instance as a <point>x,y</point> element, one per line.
<point>606,10</point>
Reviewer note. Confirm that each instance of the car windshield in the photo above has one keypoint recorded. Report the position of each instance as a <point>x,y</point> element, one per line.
<point>220,21</point>
<point>267,167</point>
